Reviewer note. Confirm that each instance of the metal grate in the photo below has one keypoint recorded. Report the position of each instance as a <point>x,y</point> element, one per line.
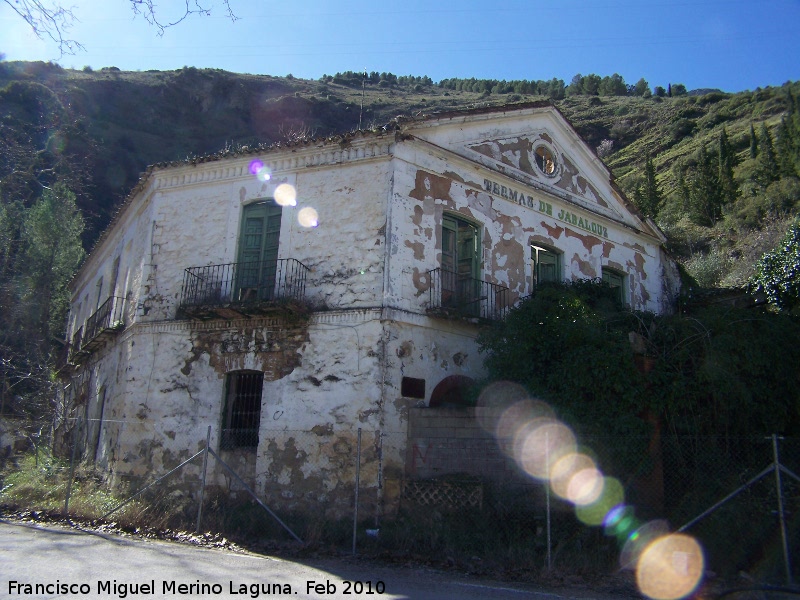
<point>445,494</point>
<point>242,415</point>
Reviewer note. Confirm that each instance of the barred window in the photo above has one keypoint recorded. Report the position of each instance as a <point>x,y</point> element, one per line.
<point>242,414</point>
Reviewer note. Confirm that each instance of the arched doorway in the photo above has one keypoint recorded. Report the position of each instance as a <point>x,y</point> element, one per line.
<point>451,391</point>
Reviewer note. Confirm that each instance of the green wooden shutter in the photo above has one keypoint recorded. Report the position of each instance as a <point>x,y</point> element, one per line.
<point>460,261</point>
<point>258,251</point>
<point>615,280</point>
<point>546,265</point>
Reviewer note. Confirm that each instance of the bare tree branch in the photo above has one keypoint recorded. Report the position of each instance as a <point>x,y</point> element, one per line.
<point>48,21</point>
<point>52,20</point>
<point>147,9</point>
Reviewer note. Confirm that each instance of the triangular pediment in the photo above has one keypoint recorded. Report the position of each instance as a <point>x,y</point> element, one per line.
<point>538,155</point>
<point>539,148</point>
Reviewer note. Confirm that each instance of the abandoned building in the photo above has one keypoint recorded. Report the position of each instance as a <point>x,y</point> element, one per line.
<point>288,296</point>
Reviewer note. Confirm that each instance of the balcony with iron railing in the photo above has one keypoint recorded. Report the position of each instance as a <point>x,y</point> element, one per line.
<point>102,325</point>
<point>454,296</point>
<point>243,290</point>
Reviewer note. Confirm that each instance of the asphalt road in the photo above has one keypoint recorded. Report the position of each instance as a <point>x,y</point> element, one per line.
<point>85,564</point>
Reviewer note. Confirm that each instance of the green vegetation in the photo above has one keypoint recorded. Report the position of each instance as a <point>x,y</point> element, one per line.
<point>713,371</point>
<point>678,407</point>
<point>778,272</point>
<point>39,482</point>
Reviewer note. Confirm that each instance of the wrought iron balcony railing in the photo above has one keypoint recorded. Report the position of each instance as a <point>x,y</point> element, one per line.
<point>241,289</point>
<point>107,320</point>
<point>451,294</point>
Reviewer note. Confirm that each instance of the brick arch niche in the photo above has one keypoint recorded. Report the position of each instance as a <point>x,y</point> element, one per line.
<point>451,391</point>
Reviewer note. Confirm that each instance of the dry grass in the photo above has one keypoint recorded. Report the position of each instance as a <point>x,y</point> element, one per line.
<point>40,484</point>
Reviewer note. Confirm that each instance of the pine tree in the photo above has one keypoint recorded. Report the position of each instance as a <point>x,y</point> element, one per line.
<point>783,149</point>
<point>753,143</point>
<point>682,187</point>
<point>52,252</point>
<point>651,195</point>
<point>767,165</point>
<point>787,141</point>
<point>728,188</point>
<point>705,198</point>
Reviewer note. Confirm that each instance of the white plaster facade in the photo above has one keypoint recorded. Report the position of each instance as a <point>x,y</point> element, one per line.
<point>150,390</point>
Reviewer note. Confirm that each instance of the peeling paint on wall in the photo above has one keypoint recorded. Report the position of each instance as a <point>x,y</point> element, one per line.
<point>275,352</point>
<point>368,291</point>
<point>429,186</point>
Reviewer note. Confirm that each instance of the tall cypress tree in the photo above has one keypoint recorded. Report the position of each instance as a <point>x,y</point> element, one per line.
<point>682,187</point>
<point>787,141</point>
<point>753,143</point>
<point>728,188</point>
<point>767,169</point>
<point>784,152</point>
<point>705,197</point>
<point>651,195</point>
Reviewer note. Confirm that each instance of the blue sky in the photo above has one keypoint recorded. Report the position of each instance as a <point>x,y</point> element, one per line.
<point>733,45</point>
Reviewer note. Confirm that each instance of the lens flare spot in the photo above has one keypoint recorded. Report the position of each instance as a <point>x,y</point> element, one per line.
<point>495,398</point>
<point>308,217</point>
<point>517,417</point>
<point>255,166</point>
<point>615,515</point>
<point>671,567</point>
<point>286,195</point>
<point>564,470</point>
<point>621,522</point>
<point>585,486</point>
<point>258,169</point>
<point>540,443</point>
<point>56,143</point>
<point>595,513</point>
<point>639,539</point>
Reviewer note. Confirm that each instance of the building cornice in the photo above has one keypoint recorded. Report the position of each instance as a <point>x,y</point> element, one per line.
<point>275,161</point>
<point>235,166</point>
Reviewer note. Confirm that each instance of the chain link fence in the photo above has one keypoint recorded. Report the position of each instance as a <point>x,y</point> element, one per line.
<point>452,495</point>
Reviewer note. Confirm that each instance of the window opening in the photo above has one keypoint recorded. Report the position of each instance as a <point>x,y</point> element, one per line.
<point>99,292</point>
<point>411,387</point>
<point>259,237</point>
<point>460,264</point>
<point>98,425</point>
<point>616,281</point>
<point>242,415</point>
<point>114,277</point>
<point>452,391</point>
<point>546,265</point>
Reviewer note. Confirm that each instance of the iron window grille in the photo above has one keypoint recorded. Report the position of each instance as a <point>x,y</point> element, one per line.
<point>242,415</point>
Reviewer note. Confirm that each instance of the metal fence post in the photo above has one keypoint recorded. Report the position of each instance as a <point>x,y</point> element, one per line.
<point>203,481</point>
<point>72,464</point>
<point>547,495</point>
<point>781,514</point>
<point>358,481</point>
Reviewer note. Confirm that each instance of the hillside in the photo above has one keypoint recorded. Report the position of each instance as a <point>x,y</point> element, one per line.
<point>98,130</point>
